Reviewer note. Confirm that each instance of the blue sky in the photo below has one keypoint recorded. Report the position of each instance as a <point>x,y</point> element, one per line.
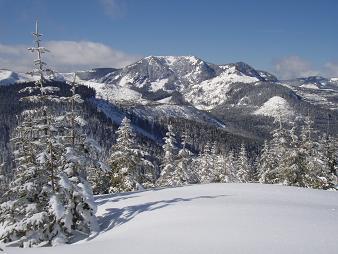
<point>287,38</point>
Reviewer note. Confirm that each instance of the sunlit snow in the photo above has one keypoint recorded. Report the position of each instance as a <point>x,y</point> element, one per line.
<point>213,218</point>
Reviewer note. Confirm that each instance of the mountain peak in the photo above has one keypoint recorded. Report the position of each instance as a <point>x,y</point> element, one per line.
<point>173,59</point>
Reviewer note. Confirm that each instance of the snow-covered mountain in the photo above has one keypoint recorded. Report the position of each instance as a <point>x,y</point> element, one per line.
<point>201,83</point>
<point>316,90</point>
<point>212,218</point>
<point>234,97</point>
<point>162,79</point>
<point>8,77</point>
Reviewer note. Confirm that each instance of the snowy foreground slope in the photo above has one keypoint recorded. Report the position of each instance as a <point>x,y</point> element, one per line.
<point>213,218</point>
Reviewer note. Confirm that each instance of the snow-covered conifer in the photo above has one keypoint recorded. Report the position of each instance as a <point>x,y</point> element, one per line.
<point>272,155</point>
<point>3,178</point>
<point>49,200</point>
<point>329,146</point>
<point>184,161</point>
<point>266,165</point>
<point>230,168</point>
<point>243,171</point>
<point>169,173</point>
<point>79,154</point>
<point>289,168</point>
<point>29,216</point>
<point>205,168</point>
<point>130,167</point>
<point>317,170</point>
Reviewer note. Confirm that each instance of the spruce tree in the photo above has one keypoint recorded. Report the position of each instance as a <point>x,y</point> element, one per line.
<point>170,176</point>
<point>243,172</point>
<point>3,178</point>
<point>272,155</point>
<point>49,201</point>
<point>290,168</point>
<point>266,165</point>
<point>206,168</point>
<point>230,175</point>
<point>184,163</point>
<point>317,170</point>
<point>329,146</point>
<point>31,215</point>
<point>79,153</point>
<point>217,163</point>
<point>130,167</point>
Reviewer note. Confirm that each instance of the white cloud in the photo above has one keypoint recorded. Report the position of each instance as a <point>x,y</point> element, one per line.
<point>65,56</point>
<point>294,67</point>
<point>331,69</point>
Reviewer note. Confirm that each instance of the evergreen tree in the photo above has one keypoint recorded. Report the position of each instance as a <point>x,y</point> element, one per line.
<point>330,150</point>
<point>170,176</point>
<point>317,171</point>
<point>272,155</point>
<point>3,178</point>
<point>290,168</point>
<point>28,215</point>
<point>217,162</point>
<point>130,168</point>
<point>230,168</point>
<point>31,214</point>
<point>206,168</point>
<point>184,163</point>
<point>79,153</point>
<point>243,171</point>
<point>49,200</point>
<point>266,165</point>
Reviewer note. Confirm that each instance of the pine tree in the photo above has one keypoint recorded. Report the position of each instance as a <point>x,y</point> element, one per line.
<point>206,169</point>
<point>29,215</point>
<point>272,155</point>
<point>184,163</point>
<point>243,171</point>
<point>130,168</point>
<point>3,178</point>
<point>221,169</point>
<point>49,200</point>
<point>169,173</point>
<point>230,175</point>
<point>318,174</point>
<point>330,150</point>
<point>266,165</point>
<point>79,153</point>
<point>290,168</point>
<point>217,163</point>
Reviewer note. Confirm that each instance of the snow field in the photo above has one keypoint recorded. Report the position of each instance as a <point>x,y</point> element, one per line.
<point>213,218</point>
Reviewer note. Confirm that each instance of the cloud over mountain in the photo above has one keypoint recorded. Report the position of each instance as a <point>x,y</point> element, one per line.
<point>66,56</point>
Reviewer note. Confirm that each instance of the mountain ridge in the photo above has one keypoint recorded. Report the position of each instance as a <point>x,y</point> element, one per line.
<point>234,96</point>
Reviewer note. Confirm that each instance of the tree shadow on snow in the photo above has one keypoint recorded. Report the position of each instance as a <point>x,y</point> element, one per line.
<point>118,216</point>
<point>115,198</point>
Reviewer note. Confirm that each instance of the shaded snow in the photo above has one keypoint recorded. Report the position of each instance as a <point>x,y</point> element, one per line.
<point>276,107</point>
<point>213,218</point>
